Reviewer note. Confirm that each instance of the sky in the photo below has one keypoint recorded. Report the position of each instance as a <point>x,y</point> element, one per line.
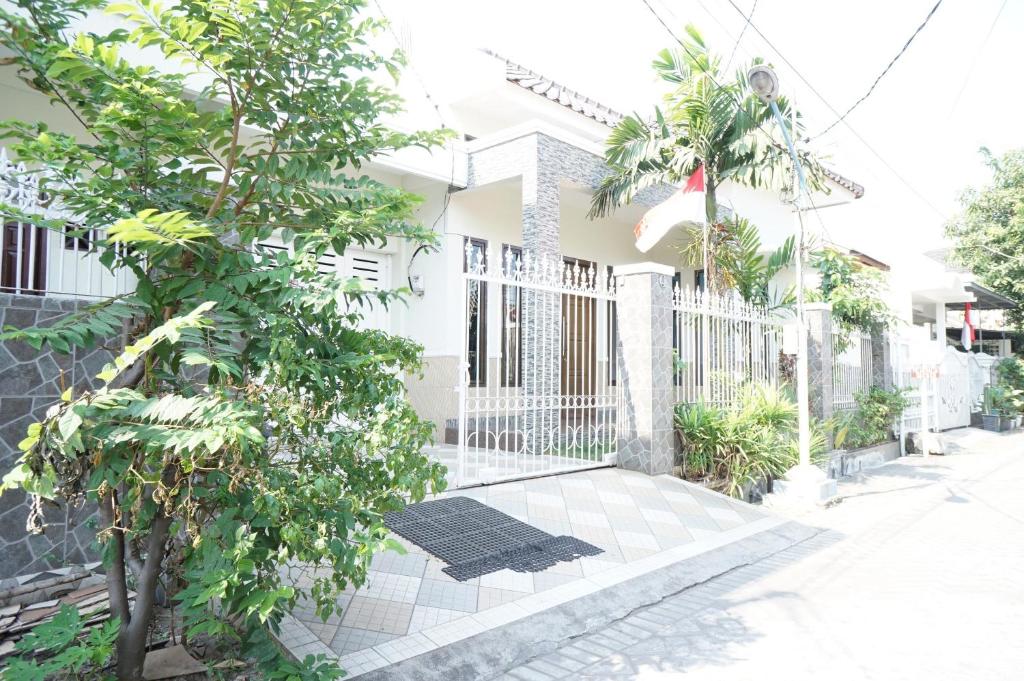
<point>954,90</point>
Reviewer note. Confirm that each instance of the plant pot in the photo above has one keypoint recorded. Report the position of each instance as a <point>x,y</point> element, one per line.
<point>1005,423</point>
<point>1017,420</point>
<point>990,422</point>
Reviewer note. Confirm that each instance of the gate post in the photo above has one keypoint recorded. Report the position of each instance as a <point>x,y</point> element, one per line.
<point>820,362</point>
<point>644,356</point>
<point>881,360</point>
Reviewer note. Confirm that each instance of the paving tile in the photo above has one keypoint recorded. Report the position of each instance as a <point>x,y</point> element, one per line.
<point>435,569</point>
<point>491,598</point>
<point>410,564</point>
<point>456,630</point>
<point>424,616</point>
<point>508,580</point>
<point>544,499</point>
<point>391,617</point>
<point>405,647</point>
<point>448,595</point>
<point>636,540</point>
<point>634,523</point>
<point>389,587</point>
<point>362,661</point>
<point>542,581</point>
<point>588,518</point>
<point>349,639</point>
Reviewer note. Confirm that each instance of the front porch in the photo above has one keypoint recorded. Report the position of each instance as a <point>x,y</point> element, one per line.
<point>409,606</point>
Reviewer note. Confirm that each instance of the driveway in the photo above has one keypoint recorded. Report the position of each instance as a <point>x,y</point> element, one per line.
<point>919,574</point>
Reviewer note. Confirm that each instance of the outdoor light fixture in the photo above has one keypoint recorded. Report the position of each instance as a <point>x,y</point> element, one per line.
<point>764,82</point>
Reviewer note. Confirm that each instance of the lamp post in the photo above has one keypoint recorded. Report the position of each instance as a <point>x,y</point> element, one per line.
<point>805,480</point>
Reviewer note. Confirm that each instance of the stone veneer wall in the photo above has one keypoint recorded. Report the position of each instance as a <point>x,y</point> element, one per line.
<point>30,381</point>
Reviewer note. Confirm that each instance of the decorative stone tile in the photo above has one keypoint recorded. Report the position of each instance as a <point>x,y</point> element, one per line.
<point>390,587</point>
<point>424,616</point>
<point>448,595</point>
<point>390,617</point>
<point>508,580</point>
<point>491,598</point>
<point>410,564</point>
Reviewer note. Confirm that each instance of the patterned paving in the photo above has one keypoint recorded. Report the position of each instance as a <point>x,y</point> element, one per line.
<point>409,606</point>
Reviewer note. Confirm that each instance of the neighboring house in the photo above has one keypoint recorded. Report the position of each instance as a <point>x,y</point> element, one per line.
<point>993,334</point>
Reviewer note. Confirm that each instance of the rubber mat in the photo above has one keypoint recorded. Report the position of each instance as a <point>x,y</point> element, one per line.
<point>476,540</point>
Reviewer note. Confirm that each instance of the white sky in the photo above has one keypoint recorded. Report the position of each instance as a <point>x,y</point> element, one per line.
<point>603,48</point>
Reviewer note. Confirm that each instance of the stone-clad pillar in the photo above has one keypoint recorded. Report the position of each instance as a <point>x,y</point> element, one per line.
<point>819,359</point>
<point>542,310</point>
<point>644,356</point>
<point>881,360</point>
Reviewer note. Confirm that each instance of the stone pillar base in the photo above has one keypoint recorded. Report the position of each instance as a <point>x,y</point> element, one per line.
<point>804,487</point>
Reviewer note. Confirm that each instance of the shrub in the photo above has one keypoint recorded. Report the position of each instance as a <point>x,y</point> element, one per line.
<point>872,421</point>
<point>754,439</point>
<point>1010,371</point>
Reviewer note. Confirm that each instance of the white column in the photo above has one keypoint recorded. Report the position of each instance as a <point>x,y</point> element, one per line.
<point>940,326</point>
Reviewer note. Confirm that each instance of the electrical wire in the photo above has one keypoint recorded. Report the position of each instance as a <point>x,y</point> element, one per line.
<point>977,55</point>
<point>743,30</point>
<point>924,199</point>
<point>891,63</point>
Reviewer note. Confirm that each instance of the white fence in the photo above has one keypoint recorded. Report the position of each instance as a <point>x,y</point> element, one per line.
<point>851,368</point>
<point>38,260</point>
<point>943,387</point>
<point>537,395</point>
<point>721,344</point>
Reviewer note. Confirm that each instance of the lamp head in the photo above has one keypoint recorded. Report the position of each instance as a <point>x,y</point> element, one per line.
<point>764,82</point>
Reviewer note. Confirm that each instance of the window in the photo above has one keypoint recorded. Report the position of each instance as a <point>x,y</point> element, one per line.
<point>23,259</point>
<point>511,321</point>
<point>612,338</point>
<point>77,238</point>
<point>476,316</point>
<point>698,279</point>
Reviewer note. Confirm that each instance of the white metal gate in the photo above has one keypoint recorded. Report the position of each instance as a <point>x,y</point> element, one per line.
<point>537,391</point>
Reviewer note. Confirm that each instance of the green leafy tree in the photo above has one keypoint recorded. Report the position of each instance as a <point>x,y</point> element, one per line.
<point>989,232</point>
<point>709,118</point>
<point>854,290</point>
<point>742,264</point>
<point>249,424</point>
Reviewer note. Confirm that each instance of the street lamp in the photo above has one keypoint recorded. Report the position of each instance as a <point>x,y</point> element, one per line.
<point>805,480</point>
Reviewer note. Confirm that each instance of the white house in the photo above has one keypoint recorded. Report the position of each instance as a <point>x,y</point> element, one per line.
<point>515,309</point>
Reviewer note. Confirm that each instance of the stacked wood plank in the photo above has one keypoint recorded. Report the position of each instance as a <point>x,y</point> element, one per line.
<point>30,600</point>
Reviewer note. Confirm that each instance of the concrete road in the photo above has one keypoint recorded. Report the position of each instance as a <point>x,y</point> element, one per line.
<point>917,574</point>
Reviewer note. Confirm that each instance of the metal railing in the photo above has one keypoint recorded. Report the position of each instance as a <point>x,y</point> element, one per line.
<point>41,261</point>
<point>851,368</point>
<point>722,343</point>
<point>537,391</point>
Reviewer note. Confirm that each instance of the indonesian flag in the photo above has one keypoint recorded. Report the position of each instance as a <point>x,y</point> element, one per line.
<point>685,206</point>
<point>967,334</point>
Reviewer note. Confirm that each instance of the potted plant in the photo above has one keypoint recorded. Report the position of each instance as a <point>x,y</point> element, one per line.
<point>990,413</point>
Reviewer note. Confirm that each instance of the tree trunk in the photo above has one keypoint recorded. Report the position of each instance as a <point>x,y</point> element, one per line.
<point>710,217</point>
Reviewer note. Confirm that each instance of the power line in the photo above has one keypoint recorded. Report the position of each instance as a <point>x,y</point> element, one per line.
<point>884,71</point>
<point>743,30</point>
<point>824,101</point>
<point>977,55</point>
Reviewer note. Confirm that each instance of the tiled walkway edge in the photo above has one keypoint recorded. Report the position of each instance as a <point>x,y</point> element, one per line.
<point>485,643</point>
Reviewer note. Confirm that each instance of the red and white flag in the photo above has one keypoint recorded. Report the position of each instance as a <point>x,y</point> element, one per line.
<point>685,206</point>
<point>967,334</point>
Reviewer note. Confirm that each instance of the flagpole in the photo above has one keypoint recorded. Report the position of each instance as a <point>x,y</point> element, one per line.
<point>705,297</point>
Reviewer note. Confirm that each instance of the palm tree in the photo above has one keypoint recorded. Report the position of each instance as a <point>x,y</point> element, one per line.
<point>707,119</point>
<point>739,262</point>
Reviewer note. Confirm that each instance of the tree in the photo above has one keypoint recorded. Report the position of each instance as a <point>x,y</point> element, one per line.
<point>248,423</point>
<point>989,232</point>
<point>739,260</point>
<point>854,290</point>
<point>710,119</point>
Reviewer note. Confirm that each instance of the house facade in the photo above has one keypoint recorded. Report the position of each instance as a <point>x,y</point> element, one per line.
<point>544,340</point>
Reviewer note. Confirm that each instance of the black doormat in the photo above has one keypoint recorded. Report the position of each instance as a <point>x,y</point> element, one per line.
<point>476,540</point>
